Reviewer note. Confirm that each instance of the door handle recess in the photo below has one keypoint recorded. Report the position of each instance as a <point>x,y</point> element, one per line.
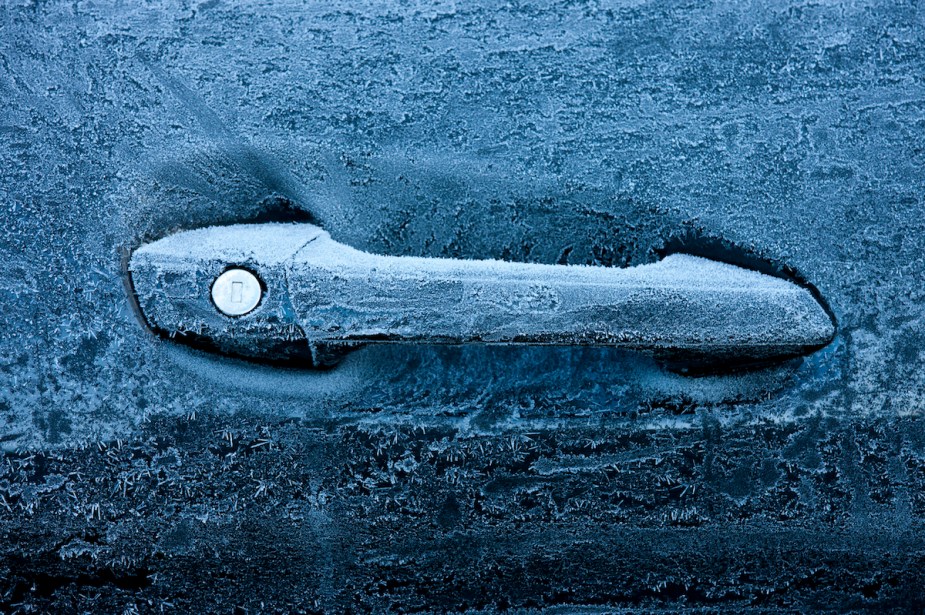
<point>290,292</point>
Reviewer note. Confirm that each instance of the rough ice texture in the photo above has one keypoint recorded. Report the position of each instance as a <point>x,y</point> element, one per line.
<point>476,477</point>
<point>333,293</point>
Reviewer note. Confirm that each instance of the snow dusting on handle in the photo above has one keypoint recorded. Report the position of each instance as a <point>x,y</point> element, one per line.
<point>322,297</point>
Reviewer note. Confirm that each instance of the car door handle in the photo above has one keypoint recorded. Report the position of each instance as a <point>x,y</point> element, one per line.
<point>291,292</point>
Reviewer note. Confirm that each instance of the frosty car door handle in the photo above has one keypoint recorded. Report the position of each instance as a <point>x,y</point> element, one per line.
<point>289,291</point>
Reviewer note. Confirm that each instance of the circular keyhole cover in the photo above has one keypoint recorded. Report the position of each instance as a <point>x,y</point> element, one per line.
<point>236,292</point>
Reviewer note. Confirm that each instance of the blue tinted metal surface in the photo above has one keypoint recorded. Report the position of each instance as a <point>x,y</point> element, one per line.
<point>426,478</point>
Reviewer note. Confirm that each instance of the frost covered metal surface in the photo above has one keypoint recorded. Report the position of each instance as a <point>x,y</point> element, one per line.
<point>139,475</point>
<point>322,293</point>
